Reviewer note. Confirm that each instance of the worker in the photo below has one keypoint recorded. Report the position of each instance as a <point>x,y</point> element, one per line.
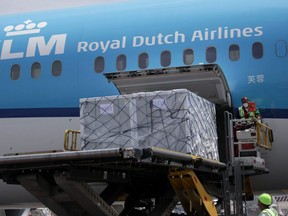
<point>247,112</point>
<point>264,202</point>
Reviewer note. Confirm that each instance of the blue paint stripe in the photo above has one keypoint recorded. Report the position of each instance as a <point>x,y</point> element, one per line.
<point>274,113</point>
<point>39,112</point>
<point>74,112</point>
<point>271,113</point>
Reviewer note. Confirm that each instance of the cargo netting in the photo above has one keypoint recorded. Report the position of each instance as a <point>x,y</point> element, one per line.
<point>177,120</point>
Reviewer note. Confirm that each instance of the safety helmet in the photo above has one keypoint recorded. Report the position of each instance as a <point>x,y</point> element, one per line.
<point>244,99</point>
<point>265,199</point>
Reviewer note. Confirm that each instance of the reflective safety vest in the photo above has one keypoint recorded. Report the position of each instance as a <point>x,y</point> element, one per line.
<point>245,114</point>
<point>269,212</point>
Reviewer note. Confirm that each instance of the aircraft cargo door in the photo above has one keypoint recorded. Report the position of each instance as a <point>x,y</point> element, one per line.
<point>207,81</point>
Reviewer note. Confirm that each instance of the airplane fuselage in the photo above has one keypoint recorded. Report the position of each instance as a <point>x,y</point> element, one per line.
<point>49,60</point>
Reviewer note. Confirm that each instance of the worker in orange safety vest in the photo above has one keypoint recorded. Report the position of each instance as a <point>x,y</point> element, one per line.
<point>248,110</point>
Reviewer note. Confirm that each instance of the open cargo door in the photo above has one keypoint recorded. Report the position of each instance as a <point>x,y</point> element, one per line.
<point>207,81</point>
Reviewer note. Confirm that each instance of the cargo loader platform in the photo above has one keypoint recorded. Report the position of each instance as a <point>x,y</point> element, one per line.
<point>65,181</point>
<point>91,182</point>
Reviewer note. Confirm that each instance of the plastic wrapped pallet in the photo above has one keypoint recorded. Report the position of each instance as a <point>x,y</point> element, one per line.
<point>177,120</point>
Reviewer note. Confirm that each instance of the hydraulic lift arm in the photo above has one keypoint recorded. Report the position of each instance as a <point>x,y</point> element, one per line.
<point>191,192</point>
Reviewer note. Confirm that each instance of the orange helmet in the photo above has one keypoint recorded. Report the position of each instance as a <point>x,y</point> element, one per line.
<point>244,99</point>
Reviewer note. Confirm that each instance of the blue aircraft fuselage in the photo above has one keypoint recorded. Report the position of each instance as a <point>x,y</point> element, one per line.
<point>76,37</point>
<point>51,59</point>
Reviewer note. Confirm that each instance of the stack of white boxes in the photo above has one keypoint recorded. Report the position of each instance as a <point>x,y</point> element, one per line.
<point>177,120</point>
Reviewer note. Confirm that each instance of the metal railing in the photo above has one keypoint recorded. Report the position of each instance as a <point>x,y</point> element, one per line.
<point>255,131</point>
<point>264,136</point>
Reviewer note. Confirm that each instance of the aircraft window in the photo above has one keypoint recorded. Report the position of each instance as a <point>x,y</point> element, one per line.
<point>281,48</point>
<point>57,68</point>
<point>99,64</point>
<point>165,58</point>
<point>188,56</point>
<point>35,70</point>
<point>15,72</point>
<point>143,60</point>
<point>211,54</point>
<point>234,52</point>
<point>121,62</point>
<point>257,50</point>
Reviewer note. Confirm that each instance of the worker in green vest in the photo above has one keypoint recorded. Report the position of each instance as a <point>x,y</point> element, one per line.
<point>248,110</point>
<point>264,203</point>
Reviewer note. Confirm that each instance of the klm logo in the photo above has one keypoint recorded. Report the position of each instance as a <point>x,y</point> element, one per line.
<point>39,44</point>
